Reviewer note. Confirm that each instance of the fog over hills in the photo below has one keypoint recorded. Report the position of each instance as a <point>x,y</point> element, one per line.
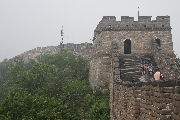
<point>25,25</point>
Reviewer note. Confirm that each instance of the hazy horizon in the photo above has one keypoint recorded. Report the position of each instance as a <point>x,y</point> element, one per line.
<point>27,24</point>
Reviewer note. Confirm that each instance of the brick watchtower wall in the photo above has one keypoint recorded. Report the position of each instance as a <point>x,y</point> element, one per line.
<point>140,34</point>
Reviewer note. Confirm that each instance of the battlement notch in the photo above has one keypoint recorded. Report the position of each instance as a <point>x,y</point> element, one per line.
<point>144,18</point>
<point>108,19</point>
<point>127,19</point>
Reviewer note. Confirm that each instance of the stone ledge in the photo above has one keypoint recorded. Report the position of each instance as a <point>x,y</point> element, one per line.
<point>154,83</point>
<point>132,29</point>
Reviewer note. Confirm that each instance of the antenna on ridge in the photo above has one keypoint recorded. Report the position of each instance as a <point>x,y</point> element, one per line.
<point>62,36</point>
<point>138,12</point>
<point>138,3</point>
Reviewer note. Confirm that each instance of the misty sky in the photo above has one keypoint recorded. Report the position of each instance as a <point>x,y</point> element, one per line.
<point>27,24</point>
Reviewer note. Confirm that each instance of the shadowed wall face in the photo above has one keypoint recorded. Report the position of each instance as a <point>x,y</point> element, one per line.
<point>127,46</point>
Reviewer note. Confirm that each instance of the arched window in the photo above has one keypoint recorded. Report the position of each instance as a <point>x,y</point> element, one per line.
<point>158,42</point>
<point>127,46</point>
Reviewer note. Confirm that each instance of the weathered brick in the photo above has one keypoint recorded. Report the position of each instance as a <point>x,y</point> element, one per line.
<point>166,117</point>
<point>165,112</point>
<point>177,97</point>
<point>176,110</point>
<point>168,89</point>
<point>177,89</point>
<point>166,95</point>
<point>176,104</point>
<point>175,117</point>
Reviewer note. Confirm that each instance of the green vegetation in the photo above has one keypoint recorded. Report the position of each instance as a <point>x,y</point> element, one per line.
<point>54,88</point>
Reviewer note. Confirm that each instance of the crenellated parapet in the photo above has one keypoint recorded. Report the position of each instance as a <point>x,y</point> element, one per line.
<point>144,23</point>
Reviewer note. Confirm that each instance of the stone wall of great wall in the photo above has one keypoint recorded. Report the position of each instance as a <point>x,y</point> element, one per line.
<point>83,49</point>
<point>166,63</point>
<point>111,68</point>
<point>129,100</point>
<point>158,100</point>
<point>150,101</point>
<point>140,33</point>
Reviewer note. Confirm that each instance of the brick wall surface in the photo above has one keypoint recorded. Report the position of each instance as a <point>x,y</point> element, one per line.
<point>166,63</point>
<point>146,102</point>
<point>83,49</point>
<point>158,100</point>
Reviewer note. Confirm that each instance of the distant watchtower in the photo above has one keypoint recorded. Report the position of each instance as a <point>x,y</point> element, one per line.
<point>132,38</point>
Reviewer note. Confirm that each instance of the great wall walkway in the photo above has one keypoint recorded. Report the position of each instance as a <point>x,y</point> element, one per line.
<point>130,67</point>
<point>131,99</point>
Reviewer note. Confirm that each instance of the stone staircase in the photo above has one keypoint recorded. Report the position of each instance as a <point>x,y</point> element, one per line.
<point>130,67</point>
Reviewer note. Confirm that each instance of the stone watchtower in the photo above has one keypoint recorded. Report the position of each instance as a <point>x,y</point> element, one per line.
<point>133,38</point>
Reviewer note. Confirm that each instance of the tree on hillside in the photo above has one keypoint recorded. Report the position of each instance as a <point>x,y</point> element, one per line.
<point>21,105</point>
<point>69,65</point>
<point>38,79</point>
<point>56,87</point>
